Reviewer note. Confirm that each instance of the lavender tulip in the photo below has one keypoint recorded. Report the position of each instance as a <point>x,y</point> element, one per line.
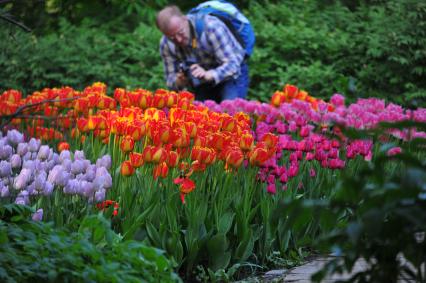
<point>6,152</point>
<point>107,180</point>
<point>100,195</point>
<point>5,169</point>
<point>66,164</point>
<point>4,191</point>
<point>48,188</point>
<point>34,145</point>
<point>90,173</point>
<point>16,161</point>
<point>14,137</point>
<point>38,215</point>
<point>55,158</point>
<point>77,167</point>
<point>87,188</point>
<point>64,155</point>
<point>22,179</point>
<point>79,155</point>
<point>23,198</point>
<point>29,164</point>
<point>71,187</point>
<point>43,152</point>
<point>104,161</point>
<point>22,149</point>
<point>31,189</point>
<point>55,175</point>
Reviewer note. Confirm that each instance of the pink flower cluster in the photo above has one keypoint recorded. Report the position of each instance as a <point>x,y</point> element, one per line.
<point>302,132</point>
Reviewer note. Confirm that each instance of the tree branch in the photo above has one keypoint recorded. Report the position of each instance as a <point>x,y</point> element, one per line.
<point>12,21</point>
<point>21,109</point>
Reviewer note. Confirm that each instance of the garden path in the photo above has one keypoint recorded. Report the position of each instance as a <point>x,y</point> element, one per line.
<point>303,273</point>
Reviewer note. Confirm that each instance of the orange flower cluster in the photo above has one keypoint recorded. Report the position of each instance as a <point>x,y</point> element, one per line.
<point>50,112</point>
<point>145,99</point>
<point>163,128</point>
<point>291,92</point>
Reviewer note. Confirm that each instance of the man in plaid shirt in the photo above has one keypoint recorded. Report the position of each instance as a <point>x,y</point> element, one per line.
<point>213,65</point>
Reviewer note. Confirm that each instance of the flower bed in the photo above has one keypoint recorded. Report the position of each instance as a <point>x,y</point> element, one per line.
<point>204,182</point>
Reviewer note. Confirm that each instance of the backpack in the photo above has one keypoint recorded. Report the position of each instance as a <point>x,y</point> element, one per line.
<point>236,22</point>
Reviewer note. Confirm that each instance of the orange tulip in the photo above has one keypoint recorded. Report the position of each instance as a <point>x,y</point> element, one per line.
<point>270,140</point>
<point>184,103</point>
<point>81,105</point>
<point>11,96</point>
<point>63,146</point>
<point>159,155</point>
<point>127,144</point>
<point>258,156</point>
<point>158,102</point>
<point>127,168</point>
<point>235,157</point>
<point>302,95</point>
<point>291,90</point>
<point>82,125</point>
<point>106,102</point>
<point>147,153</point>
<point>171,99</point>
<point>196,166</point>
<point>179,138</point>
<point>92,122</point>
<point>228,124</point>
<point>145,101</point>
<point>204,155</point>
<point>186,95</point>
<point>51,111</point>
<point>135,131</point>
<point>217,141</point>
<point>246,142</point>
<point>173,159</point>
<point>161,170</point>
<point>136,159</point>
<point>200,141</point>
<point>278,98</point>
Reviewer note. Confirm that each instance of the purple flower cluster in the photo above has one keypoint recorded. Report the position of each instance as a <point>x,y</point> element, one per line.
<point>30,169</point>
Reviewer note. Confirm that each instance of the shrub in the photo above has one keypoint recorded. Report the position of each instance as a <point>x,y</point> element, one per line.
<point>37,251</point>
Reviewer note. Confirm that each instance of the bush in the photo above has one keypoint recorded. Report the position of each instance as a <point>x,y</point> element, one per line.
<point>351,47</point>
<point>37,251</point>
<point>76,56</point>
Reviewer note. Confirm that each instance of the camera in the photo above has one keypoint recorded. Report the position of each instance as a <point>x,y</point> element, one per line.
<point>185,68</point>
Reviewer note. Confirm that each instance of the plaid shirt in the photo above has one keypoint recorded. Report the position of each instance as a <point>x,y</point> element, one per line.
<point>217,50</point>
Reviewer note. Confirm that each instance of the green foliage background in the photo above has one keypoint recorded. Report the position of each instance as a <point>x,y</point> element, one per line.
<point>357,48</point>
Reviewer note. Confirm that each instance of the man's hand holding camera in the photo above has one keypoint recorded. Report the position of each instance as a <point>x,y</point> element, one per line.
<point>199,72</point>
<point>193,75</point>
<point>181,80</point>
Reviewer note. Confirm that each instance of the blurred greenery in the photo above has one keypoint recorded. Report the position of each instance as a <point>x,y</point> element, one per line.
<point>374,216</point>
<point>357,48</point>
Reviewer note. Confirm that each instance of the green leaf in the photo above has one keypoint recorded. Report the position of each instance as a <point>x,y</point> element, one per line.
<point>225,222</point>
<point>153,234</point>
<point>245,248</point>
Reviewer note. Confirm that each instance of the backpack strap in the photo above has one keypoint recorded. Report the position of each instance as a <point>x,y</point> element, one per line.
<point>199,24</point>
